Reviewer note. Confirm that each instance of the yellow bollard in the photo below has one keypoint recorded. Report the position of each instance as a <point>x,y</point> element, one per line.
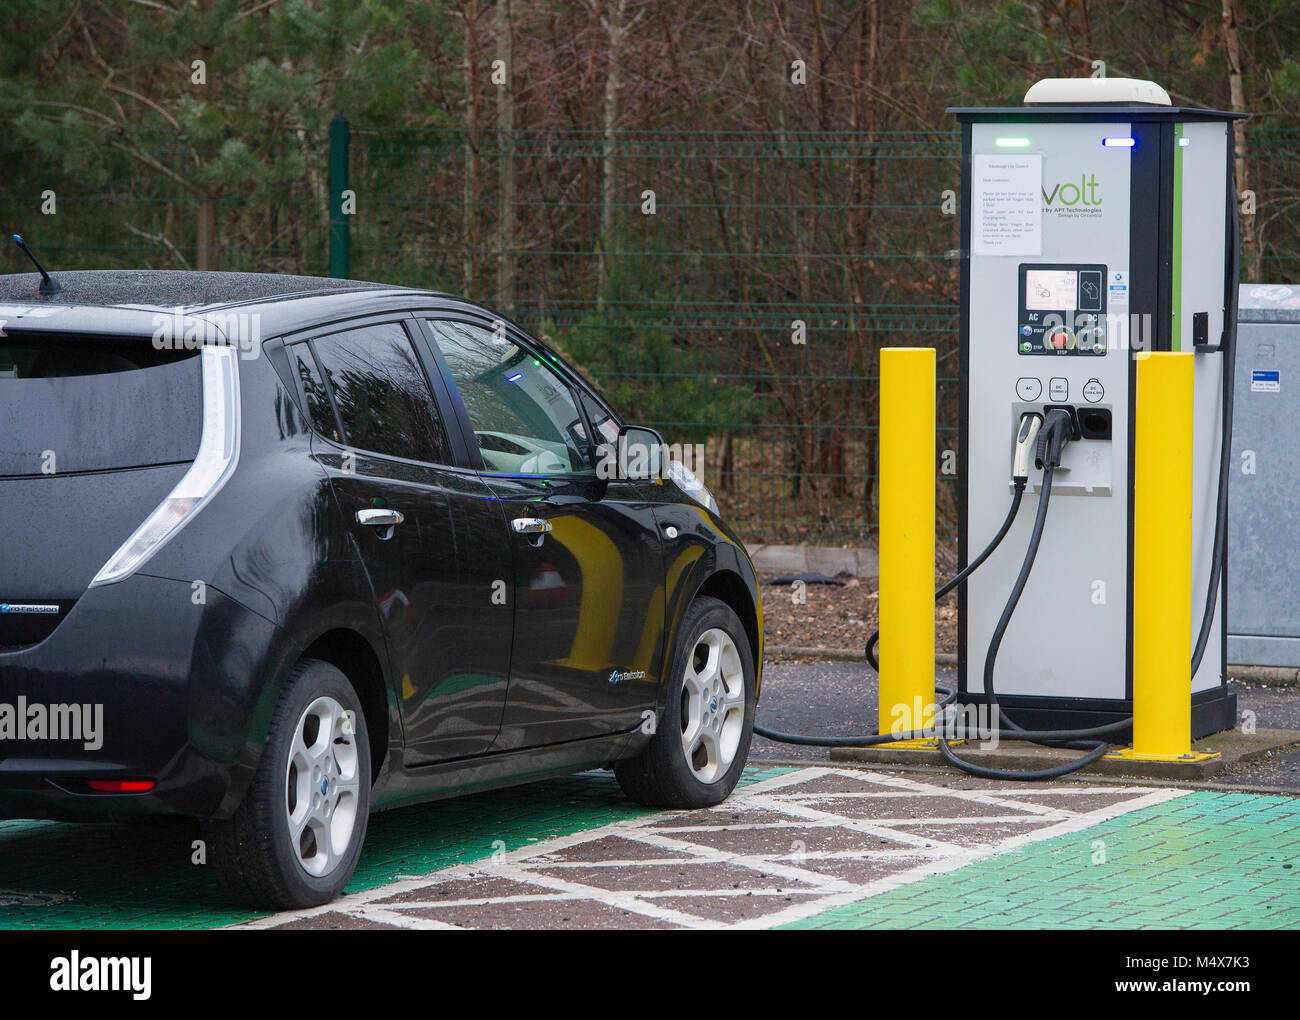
<point>1162,560</point>
<point>907,431</point>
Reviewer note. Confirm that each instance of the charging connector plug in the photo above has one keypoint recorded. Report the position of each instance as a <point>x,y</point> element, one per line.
<point>1026,436</point>
<point>1053,437</point>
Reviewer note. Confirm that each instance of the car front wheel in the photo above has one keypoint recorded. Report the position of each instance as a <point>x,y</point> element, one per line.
<point>702,737</point>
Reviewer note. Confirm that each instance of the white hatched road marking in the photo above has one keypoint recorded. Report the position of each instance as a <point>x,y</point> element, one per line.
<point>382,915</point>
<point>778,877</point>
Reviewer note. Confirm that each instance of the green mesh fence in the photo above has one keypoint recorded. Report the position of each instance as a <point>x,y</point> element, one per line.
<point>731,289</point>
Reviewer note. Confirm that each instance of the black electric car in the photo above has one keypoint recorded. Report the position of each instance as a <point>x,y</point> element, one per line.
<point>278,551</point>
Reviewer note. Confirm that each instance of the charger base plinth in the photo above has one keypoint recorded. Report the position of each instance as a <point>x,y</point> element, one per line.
<point>1189,757</point>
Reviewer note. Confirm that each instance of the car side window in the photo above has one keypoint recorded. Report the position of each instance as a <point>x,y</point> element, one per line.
<point>602,420</point>
<point>523,413</point>
<point>384,401</point>
<point>316,398</point>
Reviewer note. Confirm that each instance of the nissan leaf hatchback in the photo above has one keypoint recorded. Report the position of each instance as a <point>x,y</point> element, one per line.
<point>276,552</point>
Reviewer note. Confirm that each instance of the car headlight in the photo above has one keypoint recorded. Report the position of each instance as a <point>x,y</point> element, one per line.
<point>692,486</point>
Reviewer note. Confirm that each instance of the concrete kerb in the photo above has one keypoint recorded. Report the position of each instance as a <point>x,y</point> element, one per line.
<point>860,561</point>
<point>1088,778</point>
<point>1269,676</point>
<point>1233,746</point>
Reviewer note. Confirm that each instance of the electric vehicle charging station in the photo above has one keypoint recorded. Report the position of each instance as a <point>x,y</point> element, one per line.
<point>1097,222</point>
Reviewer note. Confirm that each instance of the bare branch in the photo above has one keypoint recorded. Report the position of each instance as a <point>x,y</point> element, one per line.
<point>159,238</point>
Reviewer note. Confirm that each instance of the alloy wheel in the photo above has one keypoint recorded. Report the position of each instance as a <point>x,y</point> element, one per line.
<point>322,785</point>
<point>713,705</point>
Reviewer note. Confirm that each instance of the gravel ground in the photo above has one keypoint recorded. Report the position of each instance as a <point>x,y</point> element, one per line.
<point>839,616</point>
<point>839,699</point>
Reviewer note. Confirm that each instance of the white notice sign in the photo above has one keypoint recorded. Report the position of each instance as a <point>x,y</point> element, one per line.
<point>1007,204</point>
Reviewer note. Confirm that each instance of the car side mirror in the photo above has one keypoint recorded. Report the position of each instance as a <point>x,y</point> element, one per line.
<point>639,453</point>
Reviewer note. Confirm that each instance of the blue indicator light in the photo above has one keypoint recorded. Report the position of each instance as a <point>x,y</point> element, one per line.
<point>1120,143</point>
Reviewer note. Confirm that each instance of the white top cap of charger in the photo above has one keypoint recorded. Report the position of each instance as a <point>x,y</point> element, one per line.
<point>1067,91</point>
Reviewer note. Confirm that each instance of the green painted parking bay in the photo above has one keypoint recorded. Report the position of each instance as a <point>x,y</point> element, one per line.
<point>111,876</point>
<point>1206,860</point>
<point>816,846</point>
<point>57,875</point>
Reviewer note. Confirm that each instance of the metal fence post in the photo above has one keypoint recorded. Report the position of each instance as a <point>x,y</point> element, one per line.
<point>340,237</point>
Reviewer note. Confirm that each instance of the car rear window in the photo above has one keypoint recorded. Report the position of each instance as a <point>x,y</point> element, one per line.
<point>80,403</point>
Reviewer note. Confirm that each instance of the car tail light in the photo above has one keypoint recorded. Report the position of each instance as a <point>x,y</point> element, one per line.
<point>213,465</point>
<point>121,785</point>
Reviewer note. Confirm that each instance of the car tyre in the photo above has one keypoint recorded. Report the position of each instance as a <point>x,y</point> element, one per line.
<point>702,736</point>
<point>295,839</point>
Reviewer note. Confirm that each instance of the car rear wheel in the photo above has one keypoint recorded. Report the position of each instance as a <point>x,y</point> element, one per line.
<point>295,840</point>
<point>702,737</point>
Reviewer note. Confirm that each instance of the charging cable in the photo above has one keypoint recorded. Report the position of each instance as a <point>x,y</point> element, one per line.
<point>1027,438</point>
<point>1043,440</point>
<point>1056,433</point>
<point>1047,436</point>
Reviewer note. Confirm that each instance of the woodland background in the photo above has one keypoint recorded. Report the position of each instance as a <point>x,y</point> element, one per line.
<point>798,152</point>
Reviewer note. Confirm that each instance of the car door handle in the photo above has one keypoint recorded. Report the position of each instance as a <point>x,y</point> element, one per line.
<point>530,526</point>
<point>377,518</point>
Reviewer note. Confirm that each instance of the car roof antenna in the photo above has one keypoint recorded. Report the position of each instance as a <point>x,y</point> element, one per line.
<point>48,286</point>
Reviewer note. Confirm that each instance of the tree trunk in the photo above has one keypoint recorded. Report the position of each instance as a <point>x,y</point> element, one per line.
<point>473,102</point>
<point>727,469</point>
<point>205,249</point>
<point>1237,96</point>
<point>615,30</point>
<point>867,356</point>
<point>506,159</point>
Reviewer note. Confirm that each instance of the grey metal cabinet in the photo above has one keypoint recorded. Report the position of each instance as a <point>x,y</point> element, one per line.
<point>1263,567</point>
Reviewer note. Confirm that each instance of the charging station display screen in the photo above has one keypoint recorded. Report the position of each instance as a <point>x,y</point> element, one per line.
<point>1051,289</point>
<point>1062,310</point>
